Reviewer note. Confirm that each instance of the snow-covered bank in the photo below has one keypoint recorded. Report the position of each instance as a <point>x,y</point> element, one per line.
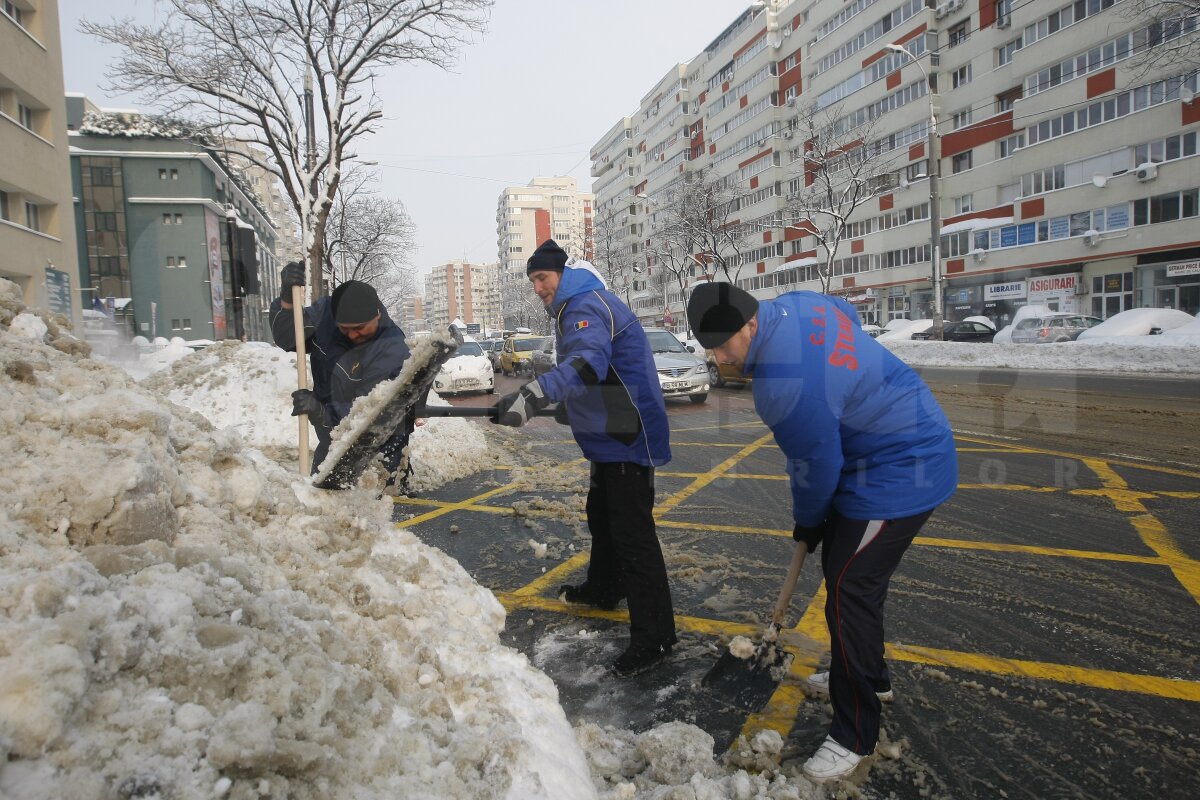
<point>1162,355</point>
<point>182,617</point>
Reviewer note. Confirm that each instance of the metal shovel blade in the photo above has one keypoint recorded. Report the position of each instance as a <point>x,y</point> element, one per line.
<point>748,683</point>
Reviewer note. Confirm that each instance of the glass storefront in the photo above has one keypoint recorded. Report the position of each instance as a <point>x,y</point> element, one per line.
<point>1174,285</point>
<point>1111,294</point>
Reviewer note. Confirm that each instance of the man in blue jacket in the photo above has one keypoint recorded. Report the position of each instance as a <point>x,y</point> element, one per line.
<point>870,456</point>
<point>607,383</point>
<point>353,346</point>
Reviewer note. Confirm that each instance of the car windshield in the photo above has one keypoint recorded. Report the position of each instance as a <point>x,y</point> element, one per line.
<point>468,349</point>
<point>663,342</point>
<point>525,345</point>
<point>546,345</point>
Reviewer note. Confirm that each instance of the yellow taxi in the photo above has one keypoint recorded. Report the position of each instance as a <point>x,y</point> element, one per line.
<point>517,354</point>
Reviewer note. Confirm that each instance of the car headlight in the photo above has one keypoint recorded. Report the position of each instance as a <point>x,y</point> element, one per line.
<point>701,370</point>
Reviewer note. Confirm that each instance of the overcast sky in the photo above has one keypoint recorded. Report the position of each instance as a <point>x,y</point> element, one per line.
<point>530,97</point>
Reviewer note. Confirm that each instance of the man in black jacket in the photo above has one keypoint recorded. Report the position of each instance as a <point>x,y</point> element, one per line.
<point>353,346</point>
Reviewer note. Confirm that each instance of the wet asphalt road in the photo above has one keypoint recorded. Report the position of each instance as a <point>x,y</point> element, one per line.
<point>1042,632</point>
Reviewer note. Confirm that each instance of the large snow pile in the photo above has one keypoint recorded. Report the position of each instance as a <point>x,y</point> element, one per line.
<point>183,618</point>
<point>1172,356</point>
<point>899,333</point>
<point>1136,322</point>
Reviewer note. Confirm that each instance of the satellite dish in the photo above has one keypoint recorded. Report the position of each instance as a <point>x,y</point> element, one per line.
<point>1099,181</point>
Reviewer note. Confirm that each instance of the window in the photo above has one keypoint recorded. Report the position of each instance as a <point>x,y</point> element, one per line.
<point>960,33</point>
<point>962,204</point>
<point>106,221</point>
<point>174,324</point>
<point>25,116</point>
<point>14,13</point>
<point>1005,100</point>
<point>3,205</point>
<point>961,162</point>
<point>961,119</point>
<point>960,76</point>
<point>170,261</point>
<point>162,174</point>
<point>175,175</point>
<point>102,176</point>
<point>182,261</point>
<point>179,219</point>
<point>32,217</point>
<point>187,324</point>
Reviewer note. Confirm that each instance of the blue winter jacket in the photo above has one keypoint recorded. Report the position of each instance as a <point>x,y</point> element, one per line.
<point>605,374</point>
<point>342,372</point>
<point>861,431</point>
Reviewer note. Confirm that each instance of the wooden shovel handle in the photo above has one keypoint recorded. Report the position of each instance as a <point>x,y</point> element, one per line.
<point>789,585</point>
<point>301,371</point>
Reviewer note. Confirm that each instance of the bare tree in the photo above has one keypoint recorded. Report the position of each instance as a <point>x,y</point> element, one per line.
<point>703,211</point>
<point>1171,28</point>
<point>249,68</point>
<point>840,168</point>
<point>611,253</point>
<point>368,238</point>
<point>671,259</point>
<point>521,307</point>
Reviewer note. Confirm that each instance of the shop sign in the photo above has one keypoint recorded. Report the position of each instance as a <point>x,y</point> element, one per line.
<point>1027,233</point>
<point>1112,283</point>
<point>1004,291</point>
<point>895,291</point>
<point>1183,268</point>
<point>58,291</point>
<point>1051,286</point>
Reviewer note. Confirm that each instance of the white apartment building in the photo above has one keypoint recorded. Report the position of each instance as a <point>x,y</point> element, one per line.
<point>463,291</point>
<point>1067,172</point>
<point>526,216</point>
<point>37,230</point>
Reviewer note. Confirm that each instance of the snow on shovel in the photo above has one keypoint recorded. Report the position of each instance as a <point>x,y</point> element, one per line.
<point>747,675</point>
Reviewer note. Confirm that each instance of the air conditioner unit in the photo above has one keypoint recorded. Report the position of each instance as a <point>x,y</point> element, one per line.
<point>1081,287</point>
<point>1147,172</point>
<point>787,134</point>
<point>1004,21</point>
<point>1091,238</point>
<point>791,101</point>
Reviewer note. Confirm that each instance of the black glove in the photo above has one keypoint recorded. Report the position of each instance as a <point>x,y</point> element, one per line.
<point>305,402</point>
<point>515,409</point>
<point>291,275</point>
<point>811,536</point>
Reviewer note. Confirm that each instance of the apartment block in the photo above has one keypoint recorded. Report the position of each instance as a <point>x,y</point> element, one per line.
<point>172,240</point>
<point>37,235</point>
<point>526,216</point>
<point>463,291</point>
<point>412,314</point>
<point>1065,172</point>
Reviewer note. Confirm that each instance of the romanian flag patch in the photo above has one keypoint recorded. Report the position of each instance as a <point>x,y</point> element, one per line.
<point>581,324</point>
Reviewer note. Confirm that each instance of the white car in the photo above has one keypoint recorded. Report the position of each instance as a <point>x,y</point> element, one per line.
<point>468,370</point>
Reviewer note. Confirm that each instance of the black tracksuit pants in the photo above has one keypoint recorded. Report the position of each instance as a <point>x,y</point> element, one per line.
<point>626,558</point>
<point>858,558</point>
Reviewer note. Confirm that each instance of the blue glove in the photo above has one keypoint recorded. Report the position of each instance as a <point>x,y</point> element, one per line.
<point>517,408</point>
<point>811,536</point>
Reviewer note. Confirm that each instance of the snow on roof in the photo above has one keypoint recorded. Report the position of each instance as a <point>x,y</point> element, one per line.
<point>800,262</point>
<point>976,224</point>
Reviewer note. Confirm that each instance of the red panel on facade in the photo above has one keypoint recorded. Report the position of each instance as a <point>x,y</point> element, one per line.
<point>886,201</point>
<point>1190,112</point>
<point>752,159</point>
<point>754,182</point>
<point>847,283</point>
<point>712,149</point>
<point>987,13</point>
<point>805,254</point>
<point>916,151</point>
<point>761,268</point>
<point>541,225</point>
<point>857,246</point>
<point>893,80</point>
<point>998,212</point>
<point>724,87</point>
<point>766,237</point>
<point>1033,208</point>
<point>990,130</point>
<point>1102,83</point>
<point>955,265</point>
<point>743,101</point>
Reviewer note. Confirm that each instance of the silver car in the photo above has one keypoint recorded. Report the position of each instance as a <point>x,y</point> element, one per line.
<point>1058,327</point>
<point>681,373</point>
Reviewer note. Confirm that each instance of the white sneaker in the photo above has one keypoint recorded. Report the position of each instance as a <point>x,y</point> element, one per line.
<point>831,761</point>
<point>819,683</point>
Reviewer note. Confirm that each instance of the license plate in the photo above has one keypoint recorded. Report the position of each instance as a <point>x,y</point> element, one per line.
<point>674,384</point>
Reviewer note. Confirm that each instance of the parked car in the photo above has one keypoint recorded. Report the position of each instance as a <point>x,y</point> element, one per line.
<point>681,373</point>
<point>545,357</point>
<point>517,354</point>
<point>1057,327</point>
<point>491,349</point>
<point>960,332</point>
<point>468,370</point>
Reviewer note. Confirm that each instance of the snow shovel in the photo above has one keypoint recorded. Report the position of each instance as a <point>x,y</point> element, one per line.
<point>749,682</point>
<point>301,372</point>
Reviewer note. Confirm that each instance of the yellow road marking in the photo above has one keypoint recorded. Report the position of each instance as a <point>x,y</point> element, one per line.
<point>552,575</point>
<point>1173,688</point>
<point>1156,537</point>
<point>713,474</point>
<point>446,509</point>
<point>1060,552</point>
<point>1076,457</point>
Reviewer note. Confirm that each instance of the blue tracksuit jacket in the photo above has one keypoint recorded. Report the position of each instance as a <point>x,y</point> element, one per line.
<point>605,374</point>
<point>861,431</point>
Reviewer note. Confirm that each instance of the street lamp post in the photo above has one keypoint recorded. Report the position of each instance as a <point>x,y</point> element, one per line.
<point>935,174</point>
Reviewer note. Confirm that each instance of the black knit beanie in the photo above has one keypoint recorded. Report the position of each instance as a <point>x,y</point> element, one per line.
<point>354,303</point>
<point>716,311</point>
<point>548,256</point>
